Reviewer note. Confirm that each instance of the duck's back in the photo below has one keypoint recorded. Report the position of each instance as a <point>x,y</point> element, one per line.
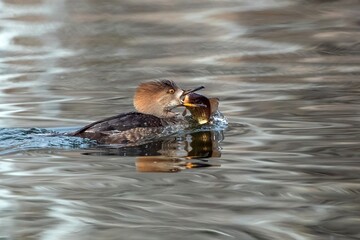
<point>122,128</point>
<point>122,122</point>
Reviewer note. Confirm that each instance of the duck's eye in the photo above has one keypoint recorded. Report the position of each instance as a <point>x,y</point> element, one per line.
<point>171,91</point>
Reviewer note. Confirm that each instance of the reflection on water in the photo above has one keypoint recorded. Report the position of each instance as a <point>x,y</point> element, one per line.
<point>165,154</point>
<point>286,73</point>
<point>172,154</point>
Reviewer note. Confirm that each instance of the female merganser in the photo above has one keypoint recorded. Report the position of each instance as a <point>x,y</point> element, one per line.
<point>153,102</point>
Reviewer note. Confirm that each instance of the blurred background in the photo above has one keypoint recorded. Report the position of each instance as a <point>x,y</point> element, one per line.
<point>68,62</point>
<point>286,74</point>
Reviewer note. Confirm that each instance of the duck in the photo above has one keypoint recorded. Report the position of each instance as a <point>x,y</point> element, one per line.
<point>154,102</point>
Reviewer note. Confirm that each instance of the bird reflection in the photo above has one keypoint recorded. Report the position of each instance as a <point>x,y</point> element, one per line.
<point>172,154</point>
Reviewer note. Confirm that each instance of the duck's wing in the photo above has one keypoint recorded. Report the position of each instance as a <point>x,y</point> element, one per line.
<point>121,122</point>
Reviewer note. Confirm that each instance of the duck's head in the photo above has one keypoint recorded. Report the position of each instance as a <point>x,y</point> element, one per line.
<point>158,98</point>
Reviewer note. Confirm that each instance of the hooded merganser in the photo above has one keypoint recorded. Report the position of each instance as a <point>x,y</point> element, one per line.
<point>153,102</point>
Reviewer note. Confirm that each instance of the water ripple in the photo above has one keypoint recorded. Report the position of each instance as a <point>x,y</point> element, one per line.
<point>285,167</point>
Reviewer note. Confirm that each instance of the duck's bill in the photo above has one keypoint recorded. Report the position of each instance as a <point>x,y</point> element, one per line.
<point>185,101</point>
<point>186,92</point>
<point>187,105</point>
<point>193,105</point>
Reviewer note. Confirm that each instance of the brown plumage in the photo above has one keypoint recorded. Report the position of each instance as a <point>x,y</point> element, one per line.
<point>158,98</point>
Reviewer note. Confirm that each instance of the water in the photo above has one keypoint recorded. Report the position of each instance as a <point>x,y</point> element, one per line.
<point>285,167</point>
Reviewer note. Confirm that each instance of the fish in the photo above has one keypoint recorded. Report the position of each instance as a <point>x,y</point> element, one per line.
<point>200,107</point>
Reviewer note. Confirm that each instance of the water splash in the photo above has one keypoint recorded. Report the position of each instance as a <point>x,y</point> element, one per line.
<point>14,140</point>
<point>219,121</point>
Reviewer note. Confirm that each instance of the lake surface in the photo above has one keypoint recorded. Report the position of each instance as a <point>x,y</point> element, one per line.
<point>286,166</point>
